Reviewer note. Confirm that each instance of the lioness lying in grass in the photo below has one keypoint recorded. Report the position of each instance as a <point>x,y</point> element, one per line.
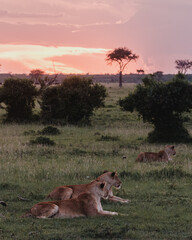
<point>85,205</point>
<point>164,155</point>
<point>72,191</point>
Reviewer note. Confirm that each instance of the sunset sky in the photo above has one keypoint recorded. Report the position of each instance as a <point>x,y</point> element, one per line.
<point>73,36</point>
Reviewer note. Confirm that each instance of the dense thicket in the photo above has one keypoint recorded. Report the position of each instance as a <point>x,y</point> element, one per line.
<point>18,95</point>
<point>73,101</point>
<point>162,104</point>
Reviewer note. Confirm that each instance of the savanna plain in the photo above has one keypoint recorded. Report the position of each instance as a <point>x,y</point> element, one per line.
<point>160,193</point>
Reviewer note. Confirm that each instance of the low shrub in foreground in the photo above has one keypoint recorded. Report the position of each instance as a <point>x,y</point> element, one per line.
<point>49,130</point>
<point>42,141</point>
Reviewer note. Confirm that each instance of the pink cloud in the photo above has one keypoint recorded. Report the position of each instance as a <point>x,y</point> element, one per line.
<point>92,63</point>
<point>157,30</point>
<point>13,66</point>
<point>35,56</point>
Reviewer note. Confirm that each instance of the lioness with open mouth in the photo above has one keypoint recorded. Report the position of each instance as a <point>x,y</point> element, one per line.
<point>85,205</point>
<point>164,155</point>
<point>72,191</point>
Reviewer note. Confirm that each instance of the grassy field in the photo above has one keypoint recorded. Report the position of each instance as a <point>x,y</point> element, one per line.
<point>160,193</point>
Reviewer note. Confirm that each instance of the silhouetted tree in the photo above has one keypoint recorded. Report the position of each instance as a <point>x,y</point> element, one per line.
<point>183,65</point>
<point>140,71</point>
<point>38,77</point>
<point>36,74</point>
<point>158,75</point>
<point>122,56</point>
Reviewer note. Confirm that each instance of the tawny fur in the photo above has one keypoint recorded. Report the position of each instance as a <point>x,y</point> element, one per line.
<point>72,191</point>
<point>85,205</point>
<point>164,155</point>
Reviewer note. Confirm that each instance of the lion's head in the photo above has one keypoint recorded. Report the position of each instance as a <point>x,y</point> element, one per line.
<point>170,150</point>
<point>110,178</point>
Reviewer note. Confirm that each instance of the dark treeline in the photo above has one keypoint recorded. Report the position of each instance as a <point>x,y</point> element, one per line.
<point>98,78</point>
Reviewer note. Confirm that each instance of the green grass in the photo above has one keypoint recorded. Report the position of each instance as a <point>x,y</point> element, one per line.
<point>160,193</point>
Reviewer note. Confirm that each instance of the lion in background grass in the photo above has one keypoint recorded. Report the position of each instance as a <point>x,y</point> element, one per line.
<point>164,155</point>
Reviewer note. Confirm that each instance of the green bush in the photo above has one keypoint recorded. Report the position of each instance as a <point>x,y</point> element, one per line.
<point>18,95</point>
<point>162,104</point>
<point>73,101</point>
<point>108,138</point>
<point>49,130</point>
<point>42,141</point>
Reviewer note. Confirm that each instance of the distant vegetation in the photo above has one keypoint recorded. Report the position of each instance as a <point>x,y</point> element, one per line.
<point>183,65</point>
<point>72,101</point>
<point>159,102</point>
<point>97,78</point>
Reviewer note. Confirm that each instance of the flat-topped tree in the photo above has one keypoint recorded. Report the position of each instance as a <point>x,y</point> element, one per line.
<point>122,56</point>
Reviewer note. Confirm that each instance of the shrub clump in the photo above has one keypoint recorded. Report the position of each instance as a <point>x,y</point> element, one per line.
<point>108,138</point>
<point>162,104</point>
<point>42,141</point>
<point>73,101</point>
<point>49,130</point>
<point>18,95</point>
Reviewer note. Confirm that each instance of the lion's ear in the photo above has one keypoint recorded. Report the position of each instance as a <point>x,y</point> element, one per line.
<point>113,174</point>
<point>102,185</point>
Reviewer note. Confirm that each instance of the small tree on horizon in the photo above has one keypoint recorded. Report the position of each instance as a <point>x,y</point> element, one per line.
<point>183,65</point>
<point>122,56</point>
<point>140,71</point>
<point>38,76</point>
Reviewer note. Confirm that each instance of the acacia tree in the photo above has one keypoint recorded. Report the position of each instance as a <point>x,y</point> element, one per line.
<point>122,56</point>
<point>183,65</point>
<point>38,77</point>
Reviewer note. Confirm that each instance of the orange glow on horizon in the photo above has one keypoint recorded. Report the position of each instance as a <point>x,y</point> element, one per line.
<point>75,60</point>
